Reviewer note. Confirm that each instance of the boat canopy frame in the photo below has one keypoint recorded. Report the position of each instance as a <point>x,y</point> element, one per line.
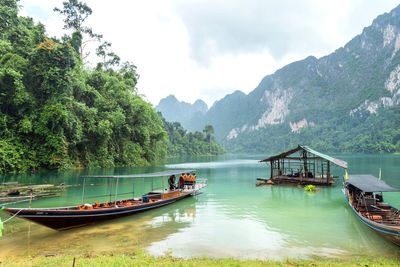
<point>117,177</point>
<point>369,183</point>
<point>143,175</point>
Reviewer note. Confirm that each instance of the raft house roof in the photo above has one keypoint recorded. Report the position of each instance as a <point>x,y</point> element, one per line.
<point>143,175</point>
<point>283,155</point>
<point>369,183</point>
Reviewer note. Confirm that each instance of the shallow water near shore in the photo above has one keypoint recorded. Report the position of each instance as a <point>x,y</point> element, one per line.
<point>232,218</point>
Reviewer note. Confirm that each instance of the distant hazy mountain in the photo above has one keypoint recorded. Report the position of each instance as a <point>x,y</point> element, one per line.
<point>185,113</point>
<point>348,101</point>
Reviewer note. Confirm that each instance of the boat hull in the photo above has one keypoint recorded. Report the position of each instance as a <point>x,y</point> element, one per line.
<point>62,219</point>
<point>390,233</point>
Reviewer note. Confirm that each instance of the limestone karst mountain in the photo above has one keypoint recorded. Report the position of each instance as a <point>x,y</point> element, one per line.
<point>347,101</point>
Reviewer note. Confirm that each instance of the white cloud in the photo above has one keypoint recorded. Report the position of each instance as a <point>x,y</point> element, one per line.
<point>208,48</point>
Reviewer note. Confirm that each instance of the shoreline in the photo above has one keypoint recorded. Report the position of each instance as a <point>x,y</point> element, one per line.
<point>140,258</point>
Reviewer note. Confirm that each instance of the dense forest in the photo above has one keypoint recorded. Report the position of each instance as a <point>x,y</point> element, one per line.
<point>183,143</point>
<point>57,113</point>
<point>365,134</point>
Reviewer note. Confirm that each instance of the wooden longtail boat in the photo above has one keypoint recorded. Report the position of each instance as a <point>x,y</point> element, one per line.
<point>68,217</point>
<point>364,195</point>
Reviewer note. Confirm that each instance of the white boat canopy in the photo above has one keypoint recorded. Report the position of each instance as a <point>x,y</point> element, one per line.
<point>143,175</point>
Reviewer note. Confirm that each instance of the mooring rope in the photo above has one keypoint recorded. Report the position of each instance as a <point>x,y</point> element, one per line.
<point>11,216</point>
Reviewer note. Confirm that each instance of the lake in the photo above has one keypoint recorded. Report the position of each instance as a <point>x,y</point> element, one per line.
<point>232,218</point>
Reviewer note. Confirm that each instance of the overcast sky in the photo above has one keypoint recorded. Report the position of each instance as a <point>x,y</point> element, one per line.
<point>209,48</point>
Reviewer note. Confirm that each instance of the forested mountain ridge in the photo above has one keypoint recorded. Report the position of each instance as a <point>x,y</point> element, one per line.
<point>186,113</point>
<point>347,101</point>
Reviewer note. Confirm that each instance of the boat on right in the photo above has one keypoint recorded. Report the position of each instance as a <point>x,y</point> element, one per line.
<point>364,193</point>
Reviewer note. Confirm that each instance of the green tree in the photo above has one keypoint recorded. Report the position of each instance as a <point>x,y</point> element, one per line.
<point>76,13</point>
<point>8,15</point>
<point>109,58</point>
<point>57,114</point>
<point>209,131</point>
<point>183,143</point>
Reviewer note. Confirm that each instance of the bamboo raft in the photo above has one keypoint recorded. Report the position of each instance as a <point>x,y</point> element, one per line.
<point>282,179</point>
<point>15,192</point>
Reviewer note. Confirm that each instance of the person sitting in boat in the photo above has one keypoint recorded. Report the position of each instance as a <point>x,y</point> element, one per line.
<point>187,179</point>
<point>171,182</point>
<point>190,179</point>
<point>379,197</point>
<point>181,180</point>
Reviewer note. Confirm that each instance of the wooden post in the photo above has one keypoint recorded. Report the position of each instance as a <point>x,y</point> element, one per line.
<point>328,173</point>
<point>314,171</point>
<point>116,191</point>
<point>322,169</point>
<point>83,191</point>
<point>305,163</point>
<point>301,174</point>
<point>30,199</point>
<point>110,183</point>
<point>279,167</point>
<point>271,168</point>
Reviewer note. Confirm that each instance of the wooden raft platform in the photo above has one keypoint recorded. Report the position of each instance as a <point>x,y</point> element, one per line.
<point>303,180</point>
<point>298,180</point>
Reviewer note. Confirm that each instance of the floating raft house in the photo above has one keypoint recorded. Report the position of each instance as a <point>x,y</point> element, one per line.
<point>303,165</point>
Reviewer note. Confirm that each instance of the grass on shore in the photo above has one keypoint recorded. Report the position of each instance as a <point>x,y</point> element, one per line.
<point>142,259</point>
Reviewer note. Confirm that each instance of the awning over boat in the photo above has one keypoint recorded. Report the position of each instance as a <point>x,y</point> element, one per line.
<point>338,162</point>
<point>369,183</point>
<point>143,175</point>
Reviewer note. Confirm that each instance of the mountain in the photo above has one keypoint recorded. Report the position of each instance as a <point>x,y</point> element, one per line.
<point>348,101</point>
<point>185,113</point>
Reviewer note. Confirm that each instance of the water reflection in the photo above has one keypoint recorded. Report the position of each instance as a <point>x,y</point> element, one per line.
<point>320,221</point>
<point>214,234</point>
<point>118,236</point>
<point>284,221</point>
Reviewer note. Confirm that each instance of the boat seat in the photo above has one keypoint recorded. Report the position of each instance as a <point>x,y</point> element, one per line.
<point>373,217</point>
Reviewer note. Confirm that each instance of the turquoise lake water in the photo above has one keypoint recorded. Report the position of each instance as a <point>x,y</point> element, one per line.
<point>232,218</point>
